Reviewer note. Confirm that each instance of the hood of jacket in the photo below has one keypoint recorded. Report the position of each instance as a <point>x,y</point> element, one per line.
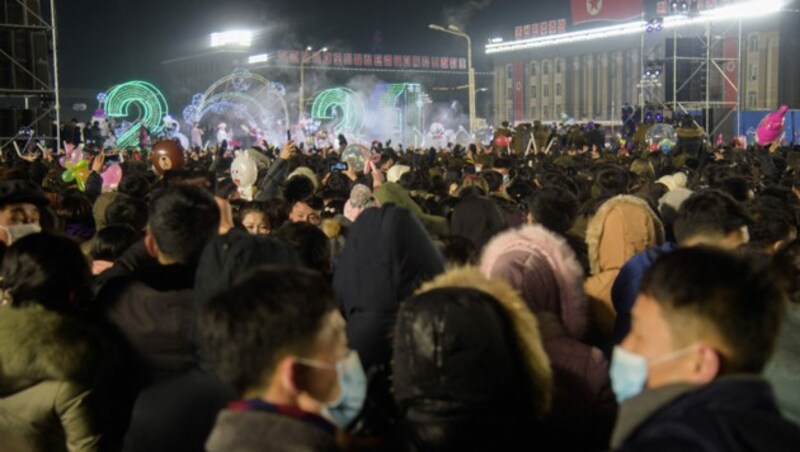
<point>38,345</point>
<point>543,268</point>
<point>478,219</point>
<point>393,193</point>
<point>471,342</point>
<point>623,226</point>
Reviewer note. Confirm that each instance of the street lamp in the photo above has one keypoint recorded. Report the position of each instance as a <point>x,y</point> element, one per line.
<point>453,30</point>
<point>303,60</point>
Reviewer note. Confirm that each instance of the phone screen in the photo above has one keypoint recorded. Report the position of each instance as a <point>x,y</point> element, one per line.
<point>337,167</point>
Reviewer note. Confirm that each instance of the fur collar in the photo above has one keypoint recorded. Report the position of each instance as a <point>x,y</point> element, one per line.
<point>525,325</point>
<point>594,230</point>
<point>37,345</point>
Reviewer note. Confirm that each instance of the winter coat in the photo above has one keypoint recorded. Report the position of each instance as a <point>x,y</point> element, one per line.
<point>783,371</point>
<point>469,369</point>
<point>729,414</point>
<point>393,193</point>
<point>623,226</point>
<point>478,219</point>
<point>388,255</point>
<point>266,432</point>
<point>56,374</point>
<point>151,307</point>
<point>542,267</point>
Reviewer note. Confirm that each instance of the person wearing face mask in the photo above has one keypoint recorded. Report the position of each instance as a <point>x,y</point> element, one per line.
<point>687,375</point>
<point>278,338</point>
<point>20,202</point>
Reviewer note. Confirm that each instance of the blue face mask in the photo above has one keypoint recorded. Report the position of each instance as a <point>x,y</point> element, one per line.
<point>352,389</point>
<point>629,371</point>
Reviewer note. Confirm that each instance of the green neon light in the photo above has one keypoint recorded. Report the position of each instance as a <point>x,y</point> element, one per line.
<point>341,103</point>
<point>151,103</point>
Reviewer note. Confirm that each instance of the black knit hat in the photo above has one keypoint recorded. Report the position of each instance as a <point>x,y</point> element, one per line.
<point>21,191</point>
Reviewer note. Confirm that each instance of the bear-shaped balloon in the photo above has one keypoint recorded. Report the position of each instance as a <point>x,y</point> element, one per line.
<point>167,155</point>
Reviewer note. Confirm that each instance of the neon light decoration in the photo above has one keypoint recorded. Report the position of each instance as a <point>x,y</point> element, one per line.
<point>406,105</point>
<point>149,104</point>
<point>249,96</point>
<point>342,105</point>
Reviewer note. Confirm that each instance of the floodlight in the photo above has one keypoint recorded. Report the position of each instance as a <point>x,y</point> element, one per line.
<point>242,38</point>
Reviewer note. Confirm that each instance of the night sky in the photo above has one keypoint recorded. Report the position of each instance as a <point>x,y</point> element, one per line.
<point>103,42</point>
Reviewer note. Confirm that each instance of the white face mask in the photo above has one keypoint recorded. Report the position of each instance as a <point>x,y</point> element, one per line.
<point>18,231</point>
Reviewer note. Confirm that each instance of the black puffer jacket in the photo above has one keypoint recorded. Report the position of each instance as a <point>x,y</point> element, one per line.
<point>469,370</point>
<point>388,255</point>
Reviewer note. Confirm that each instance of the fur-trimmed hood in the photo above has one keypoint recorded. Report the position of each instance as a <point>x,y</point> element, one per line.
<point>623,226</point>
<point>38,345</point>
<point>526,257</point>
<point>525,332</point>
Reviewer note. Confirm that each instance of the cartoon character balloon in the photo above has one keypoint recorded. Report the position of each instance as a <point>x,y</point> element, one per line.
<point>77,173</point>
<point>167,155</point>
<point>111,177</point>
<point>244,173</point>
<point>660,132</point>
<point>770,128</point>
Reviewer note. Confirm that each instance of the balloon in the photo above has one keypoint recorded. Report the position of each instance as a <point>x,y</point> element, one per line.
<point>502,141</point>
<point>167,155</point>
<point>660,132</point>
<point>77,172</point>
<point>111,176</point>
<point>356,156</point>
<point>244,173</point>
<point>770,128</point>
<point>666,145</point>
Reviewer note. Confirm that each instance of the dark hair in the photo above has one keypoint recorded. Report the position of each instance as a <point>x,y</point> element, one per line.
<point>310,243</point>
<point>48,270</point>
<point>741,301</point>
<point>127,210</point>
<point>112,241</point>
<point>458,250</point>
<point>277,210</point>
<point>554,208</point>
<point>493,179</point>
<point>270,313</point>
<point>298,188</point>
<point>612,181</point>
<point>182,219</point>
<point>772,222</point>
<point>134,185</point>
<point>708,212</point>
<point>736,186</point>
<point>75,207</point>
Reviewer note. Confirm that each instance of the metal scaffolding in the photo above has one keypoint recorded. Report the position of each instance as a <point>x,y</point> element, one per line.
<point>41,96</point>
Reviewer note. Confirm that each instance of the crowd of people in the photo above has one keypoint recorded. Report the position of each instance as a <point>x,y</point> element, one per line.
<point>568,297</point>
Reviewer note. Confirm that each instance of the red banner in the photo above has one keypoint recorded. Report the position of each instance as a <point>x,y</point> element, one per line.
<point>327,58</point>
<point>367,60</point>
<point>518,32</point>
<point>294,57</point>
<point>462,63</point>
<point>730,50</point>
<point>453,63</point>
<point>562,25</point>
<point>435,62</point>
<point>415,61</point>
<point>592,10</point>
<point>406,60</point>
<point>553,27</point>
<point>543,28</point>
<point>348,59</point>
<point>426,62</point>
<point>283,57</point>
<point>526,31</point>
<point>534,29</point>
<point>378,60</point>
<point>398,61</point>
<point>358,59</point>
<point>316,59</point>
<point>519,93</point>
<point>337,59</point>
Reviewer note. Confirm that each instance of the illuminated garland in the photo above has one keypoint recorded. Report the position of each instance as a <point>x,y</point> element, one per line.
<point>342,104</point>
<point>151,105</point>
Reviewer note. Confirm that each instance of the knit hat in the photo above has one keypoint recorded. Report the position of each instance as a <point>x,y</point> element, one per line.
<point>396,172</point>
<point>21,191</point>
<point>307,172</point>
<point>360,199</point>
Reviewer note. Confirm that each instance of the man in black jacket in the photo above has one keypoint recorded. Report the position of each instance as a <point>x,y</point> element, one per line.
<point>147,295</point>
<point>687,374</point>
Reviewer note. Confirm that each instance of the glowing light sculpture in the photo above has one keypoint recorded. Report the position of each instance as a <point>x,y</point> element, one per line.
<point>149,103</point>
<point>342,104</point>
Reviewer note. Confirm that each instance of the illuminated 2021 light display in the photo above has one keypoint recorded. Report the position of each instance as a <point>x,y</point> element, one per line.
<point>342,105</point>
<point>135,103</point>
